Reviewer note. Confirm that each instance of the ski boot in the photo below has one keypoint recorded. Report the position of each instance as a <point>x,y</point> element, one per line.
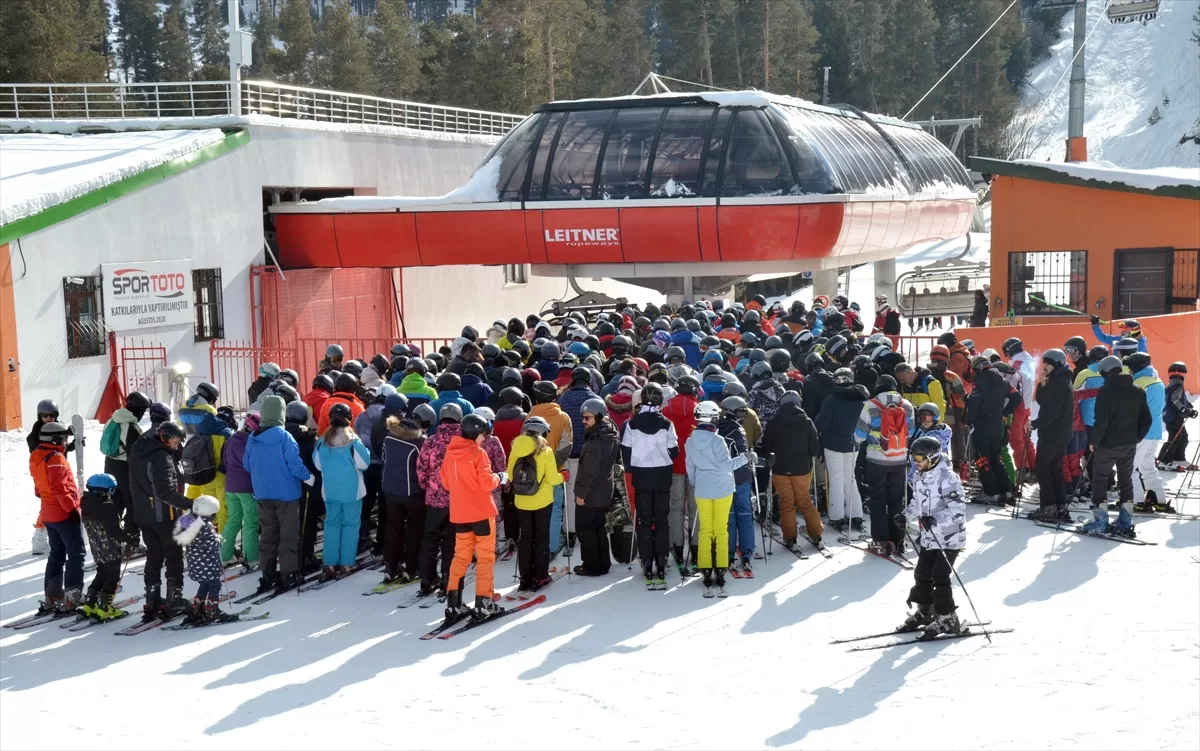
<point>856,527</point>
<point>747,568</point>
<point>790,544</point>
<point>104,609</point>
<point>328,574</point>
<point>918,619</point>
<point>839,525</point>
<point>816,541</point>
<point>680,564</point>
<point>51,604</point>
<point>1124,523</point>
<point>708,584</point>
<point>90,603</point>
<point>721,583</point>
<point>153,608</point>
<point>485,607</point>
<point>1099,523</point>
<point>70,601</point>
<point>287,581</point>
<point>898,548</point>
<point>660,574</point>
<point>214,614</point>
<point>942,624</point>
<point>454,606</point>
<point>1044,514</point>
<point>195,613</point>
<point>174,603</point>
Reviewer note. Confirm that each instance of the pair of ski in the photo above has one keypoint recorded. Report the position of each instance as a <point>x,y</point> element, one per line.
<point>360,565</point>
<point>964,633</point>
<point>242,616</point>
<point>435,597</point>
<point>144,626</point>
<point>798,552</point>
<point>79,619</point>
<point>526,596</point>
<point>1079,530</point>
<point>740,573</point>
<point>452,627</point>
<point>867,548</point>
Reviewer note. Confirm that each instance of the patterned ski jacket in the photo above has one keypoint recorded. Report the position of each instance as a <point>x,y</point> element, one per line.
<point>938,493</point>
<point>429,465</point>
<point>202,547</point>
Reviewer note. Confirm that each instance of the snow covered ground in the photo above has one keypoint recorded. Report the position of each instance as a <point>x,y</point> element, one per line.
<point>1133,70</point>
<point>1105,655</point>
<point>40,170</point>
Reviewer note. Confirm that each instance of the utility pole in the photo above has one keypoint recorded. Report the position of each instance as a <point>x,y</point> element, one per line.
<point>240,43</point>
<point>1076,143</point>
<point>825,85</point>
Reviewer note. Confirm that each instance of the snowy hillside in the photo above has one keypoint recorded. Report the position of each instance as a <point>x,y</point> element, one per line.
<point>1105,654</point>
<point>1132,72</point>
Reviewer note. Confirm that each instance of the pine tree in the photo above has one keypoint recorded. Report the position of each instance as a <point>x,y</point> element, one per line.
<point>618,47</point>
<point>299,37</point>
<point>137,39</point>
<point>210,35</point>
<point>51,40</point>
<point>343,62</point>
<point>174,49</point>
<point>266,57</point>
<point>395,54</point>
<point>911,29</point>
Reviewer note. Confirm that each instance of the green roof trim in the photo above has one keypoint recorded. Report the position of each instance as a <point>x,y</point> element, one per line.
<point>1050,175</point>
<point>100,196</point>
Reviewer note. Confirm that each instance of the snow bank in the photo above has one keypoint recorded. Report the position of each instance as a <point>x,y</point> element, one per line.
<point>1132,70</point>
<point>1147,179</point>
<point>40,170</point>
<point>481,188</point>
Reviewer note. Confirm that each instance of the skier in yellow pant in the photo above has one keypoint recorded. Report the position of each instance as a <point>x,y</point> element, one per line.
<point>710,470</point>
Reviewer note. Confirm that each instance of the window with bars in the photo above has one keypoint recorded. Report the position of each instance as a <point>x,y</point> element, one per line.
<point>210,317</point>
<point>84,306</point>
<point>1052,277</point>
<point>516,273</point>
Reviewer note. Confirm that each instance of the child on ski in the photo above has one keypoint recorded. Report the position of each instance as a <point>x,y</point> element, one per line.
<point>101,512</point>
<point>54,485</point>
<point>241,510</point>
<point>939,507</point>
<point>741,513</point>
<point>710,470</point>
<point>929,423</point>
<point>196,534</point>
<point>405,499</point>
<point>534,472</point>
<point>1176,413</point>
<point>467,475</point>
<point>341,458</point>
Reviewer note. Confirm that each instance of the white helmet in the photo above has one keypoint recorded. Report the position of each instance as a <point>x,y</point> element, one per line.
<point>707,412</point>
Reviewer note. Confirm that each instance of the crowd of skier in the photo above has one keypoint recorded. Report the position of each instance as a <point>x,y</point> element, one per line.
<point>541,437</point>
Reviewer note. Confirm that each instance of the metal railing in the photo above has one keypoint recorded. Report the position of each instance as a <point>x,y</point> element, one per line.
<point>97,101</point>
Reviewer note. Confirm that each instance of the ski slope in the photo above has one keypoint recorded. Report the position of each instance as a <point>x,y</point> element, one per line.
<point>1131,69</point>
<point>1105,655</point>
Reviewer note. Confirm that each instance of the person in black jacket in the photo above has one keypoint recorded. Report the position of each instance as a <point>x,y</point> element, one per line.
<point>741,514</point>
<point>991,400</point>
<point>157,502</point>
<point>594,487</point>
<point>296,417</point>
<point>1122,420</point>
<point>101,513</point>
<point>835,424</point>
<point>979,314</point>
<point>792,438</point>
<point>818,384</point>
<point>648,450</point>
<point>404,497</point>
<point>1054,424</point>
<point>267,372</point>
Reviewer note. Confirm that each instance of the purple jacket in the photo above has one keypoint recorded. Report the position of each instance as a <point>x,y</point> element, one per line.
<point>237,478</point>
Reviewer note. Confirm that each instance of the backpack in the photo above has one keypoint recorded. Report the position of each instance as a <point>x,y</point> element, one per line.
<point>110,440</point>
<point>893,429</point>
<point>197,466</point>
<point>525,476</point>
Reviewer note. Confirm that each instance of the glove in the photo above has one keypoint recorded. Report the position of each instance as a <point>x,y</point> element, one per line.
<point>566,473</point>
<point>901,520</point>
<point>770,460</point>
<point>73,517</point>
<point>312,480</point>
<point>751,458</point>
<point>1095,320</point>
<point>926,523</point>
<point>503,477</point>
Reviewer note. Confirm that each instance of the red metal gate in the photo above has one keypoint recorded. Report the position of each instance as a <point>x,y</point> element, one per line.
<point>140,363</point>
<point>233,366</point>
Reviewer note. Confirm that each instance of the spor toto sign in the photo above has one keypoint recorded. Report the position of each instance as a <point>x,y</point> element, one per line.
<point>145,295</point>
<point>584,238</point>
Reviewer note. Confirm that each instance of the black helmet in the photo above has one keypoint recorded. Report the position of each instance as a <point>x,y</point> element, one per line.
<point>760,370</point>
<point>398,364</point>
<point>728,347</point>
<point>693,325</point>
<point>1136,361</point>
<point>549,351</point>
<point>713,369</point>
<point>1177,368</point>
<point>641,322</point>
<point>1076,345</point>
<point>48,407</point>
<point>595,407</point>
<point>772,342</point>
<point>606,329</point>
<point>511,395</point>
<point>749,339</point>
<point>676,353</point>
<point>544,392</point>
<point>53,432</point>
<point>168,430</point>
<point>334,350</point>
<point>380,363</point>
<point>297,412</point>
<point>285,391</point>
<point>208,392</point>
<point>813,362</point>
<point>399,349</point>
<point>581,373</point>
<point>469,333</point>
<point>1110,364</point>
<point>1012,346</point>
<point>1125,346</point>
<point>947,339</point>
<point>622,342</point>
<point>751,316</point>
<point>678,324</point>
<point>293,378</point>
<point>782,330</point>
<point>688,384</point>
<point>416,365</point>
<point>1097,353</point>
<point>734,388</point>
<point>353,367</point>
<point>323,382</point>
<point>346,383</point>
<point>340,412</point>
<point>490,351</point>
<point>885,383</point>
<point>779,360</point>
<point>710,341</point>
<point>859,362</point>
<point>652,394</point>
<point>728,320</point>
<point>927,446</point>
<point>760,300</point>
<point>1056,357</point>
<point>734,405</point>
<point>474,426</point>
<point>136,402</point>
<point>756,355</point>
<point>449,382</point>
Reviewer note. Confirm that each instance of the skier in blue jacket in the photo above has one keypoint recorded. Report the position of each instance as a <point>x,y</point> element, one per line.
<point>1129,328</point>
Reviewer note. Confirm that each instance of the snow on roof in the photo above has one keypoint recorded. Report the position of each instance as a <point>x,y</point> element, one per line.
<point>39,170</point>
<point>1145,179</point>
<point>235,121</point>
<point>481,188</point>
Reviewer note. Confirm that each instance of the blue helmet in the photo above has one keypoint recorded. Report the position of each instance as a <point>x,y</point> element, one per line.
<point>103,483</point>
<point>712,356</point>
<point>579,349</point>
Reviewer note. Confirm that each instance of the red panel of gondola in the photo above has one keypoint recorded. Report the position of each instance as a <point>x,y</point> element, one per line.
<point>377,239</point>
<point>710,245</point>
<point>307,240</point>
<point>450,238</point>
<point>757,233</point>
<point>582,235</point>
<point>535,240</point>
<point>664,235</point>
<point>820,226</point>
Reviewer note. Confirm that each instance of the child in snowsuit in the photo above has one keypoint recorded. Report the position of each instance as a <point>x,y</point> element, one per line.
<point>940,508</point>
<point>439,535</point>
<point>341,458</point>
<point>929,423</point>
<point>1176,413</point>
<point>710,470</point>
<point>467,475</point>
<point>241,510</point>
<point>197,535</point>
<point>101,510</point>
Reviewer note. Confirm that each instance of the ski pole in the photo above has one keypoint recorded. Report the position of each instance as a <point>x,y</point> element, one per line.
<point>953,570</point>
<point>1035,298</point>
<point>566,528</point>
<point>687,554</point>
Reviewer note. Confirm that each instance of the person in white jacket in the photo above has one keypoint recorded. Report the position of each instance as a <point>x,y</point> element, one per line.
<point>710,469</point>
<point>1020,437</point>
<point>939,507</point>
